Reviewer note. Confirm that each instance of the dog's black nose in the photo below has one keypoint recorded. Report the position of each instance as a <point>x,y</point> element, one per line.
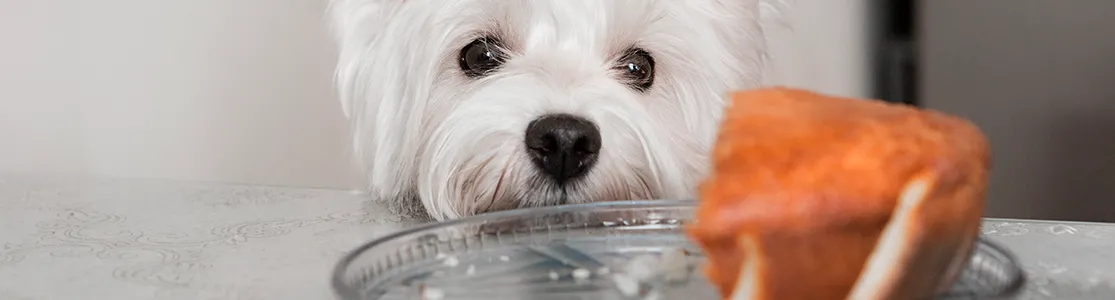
<point>563,146</point>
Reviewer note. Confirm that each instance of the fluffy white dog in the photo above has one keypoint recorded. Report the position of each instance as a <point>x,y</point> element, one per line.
<point>460,107</point>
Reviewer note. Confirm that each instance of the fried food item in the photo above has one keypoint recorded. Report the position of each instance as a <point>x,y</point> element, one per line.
<point>819,197</point>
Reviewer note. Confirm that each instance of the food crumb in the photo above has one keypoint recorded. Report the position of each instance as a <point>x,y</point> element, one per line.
<point>626,285</point>
<point>451,261</point>
<point>430,293</point>
<point>471,270</point>
<point>554,275</point>
<point>641,267</point>
<point>581,274</point>
<point>504,258</point>
<point>674,265</point>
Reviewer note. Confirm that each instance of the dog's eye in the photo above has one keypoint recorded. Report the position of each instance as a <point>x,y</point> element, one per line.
<point>637,69</point>
<point>480,57</point>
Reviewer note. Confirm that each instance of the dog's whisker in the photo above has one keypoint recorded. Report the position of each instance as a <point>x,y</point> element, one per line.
<point>644,188</point>
<point>649,155</point>
<point>477,172</point>
<point>499,183</point>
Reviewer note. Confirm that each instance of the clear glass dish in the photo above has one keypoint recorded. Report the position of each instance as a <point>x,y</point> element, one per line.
<point>569,252</point>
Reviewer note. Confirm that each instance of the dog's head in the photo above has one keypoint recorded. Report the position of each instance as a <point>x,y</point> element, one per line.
<point>481,105</point>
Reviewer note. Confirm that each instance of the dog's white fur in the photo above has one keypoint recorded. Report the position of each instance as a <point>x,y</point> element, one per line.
<point>433,141</point>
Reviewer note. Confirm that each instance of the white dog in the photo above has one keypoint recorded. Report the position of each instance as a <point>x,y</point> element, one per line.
<point>460,107</point>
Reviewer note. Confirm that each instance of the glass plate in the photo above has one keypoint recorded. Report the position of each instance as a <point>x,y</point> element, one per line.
<point>572,252</point>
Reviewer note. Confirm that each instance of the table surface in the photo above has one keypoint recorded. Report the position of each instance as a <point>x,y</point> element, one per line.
<point>139,239</point>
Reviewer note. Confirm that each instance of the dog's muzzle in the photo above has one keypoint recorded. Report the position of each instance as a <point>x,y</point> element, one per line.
<point>562,146</point>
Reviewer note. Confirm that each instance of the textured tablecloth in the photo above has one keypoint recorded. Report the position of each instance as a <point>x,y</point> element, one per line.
<point>135,239</point>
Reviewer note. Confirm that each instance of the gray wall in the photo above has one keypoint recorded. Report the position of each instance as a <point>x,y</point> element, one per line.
<point>1039,77</point>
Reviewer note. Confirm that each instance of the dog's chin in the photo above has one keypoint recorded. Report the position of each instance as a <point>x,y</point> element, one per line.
<point>543,191</point>
<point>502,183</point>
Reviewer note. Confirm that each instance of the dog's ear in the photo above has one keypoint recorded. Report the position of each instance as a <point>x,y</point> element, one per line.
<point>770,17</point>
<point>359,21</point>
<point>356,24</point>
<point>771,12</point>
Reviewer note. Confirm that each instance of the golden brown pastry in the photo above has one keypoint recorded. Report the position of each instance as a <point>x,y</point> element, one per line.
<point>818,197</point>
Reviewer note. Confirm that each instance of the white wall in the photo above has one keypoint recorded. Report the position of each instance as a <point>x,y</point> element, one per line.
<point>239,90</point>
<point>212,90</point>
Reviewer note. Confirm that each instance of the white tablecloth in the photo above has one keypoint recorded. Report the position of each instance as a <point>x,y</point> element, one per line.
<point>137,239</point>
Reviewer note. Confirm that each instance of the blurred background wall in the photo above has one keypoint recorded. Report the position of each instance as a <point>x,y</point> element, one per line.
<point>206,90</point>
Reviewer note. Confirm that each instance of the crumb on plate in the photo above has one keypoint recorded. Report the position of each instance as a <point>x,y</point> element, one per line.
<point>641,267</point>
<point>429,293</point>
<point>674,265</point>
<point>626,285</point>
<point>451,261</point>
<point>581,274</point>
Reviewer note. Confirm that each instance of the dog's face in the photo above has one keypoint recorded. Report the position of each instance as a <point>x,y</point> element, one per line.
<point>469,106</point>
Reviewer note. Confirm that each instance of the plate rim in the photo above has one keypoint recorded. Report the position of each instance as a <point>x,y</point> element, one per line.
<point>346,292</point>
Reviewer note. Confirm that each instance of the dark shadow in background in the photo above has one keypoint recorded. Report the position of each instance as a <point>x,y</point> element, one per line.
<point>894,54</point>
<point>1037,77</point>
<point>1081,168</point>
